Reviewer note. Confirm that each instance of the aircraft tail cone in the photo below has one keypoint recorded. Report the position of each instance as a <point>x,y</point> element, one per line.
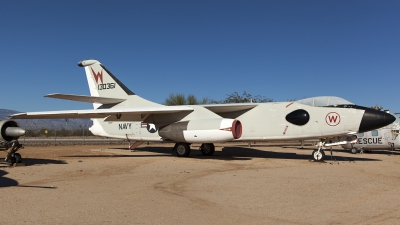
<point>374,119</point>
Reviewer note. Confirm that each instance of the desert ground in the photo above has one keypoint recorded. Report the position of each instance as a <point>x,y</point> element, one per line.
<point>262,184</point>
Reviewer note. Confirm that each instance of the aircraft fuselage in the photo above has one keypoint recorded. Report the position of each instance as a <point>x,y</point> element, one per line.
<point>266,121</point>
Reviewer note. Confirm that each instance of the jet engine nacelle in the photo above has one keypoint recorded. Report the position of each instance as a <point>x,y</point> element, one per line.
<point>203,130</point>
<point>10,130</point>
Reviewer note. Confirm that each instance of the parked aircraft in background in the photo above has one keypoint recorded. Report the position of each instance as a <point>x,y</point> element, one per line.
<point>385,138</point>
<point>119,113</point>
<point>9,134</point>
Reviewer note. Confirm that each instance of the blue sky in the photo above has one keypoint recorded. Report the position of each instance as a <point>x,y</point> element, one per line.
<point>282,50</point>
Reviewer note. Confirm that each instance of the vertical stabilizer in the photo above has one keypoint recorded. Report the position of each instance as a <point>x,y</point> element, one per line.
<point>103,83</point>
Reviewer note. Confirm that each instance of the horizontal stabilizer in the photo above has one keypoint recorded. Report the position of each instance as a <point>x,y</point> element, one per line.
<point>84,98</point>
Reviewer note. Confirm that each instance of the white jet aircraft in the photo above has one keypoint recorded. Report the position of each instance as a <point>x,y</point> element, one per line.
<point>119,113</point>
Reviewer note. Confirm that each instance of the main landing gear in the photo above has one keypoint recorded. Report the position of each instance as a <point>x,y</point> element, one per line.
<point>182,149</point>
<point>12,155</point>
<point>207,149</point>
<point>354,150</point>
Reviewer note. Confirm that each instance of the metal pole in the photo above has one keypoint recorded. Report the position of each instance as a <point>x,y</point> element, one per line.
<point>55,137</point>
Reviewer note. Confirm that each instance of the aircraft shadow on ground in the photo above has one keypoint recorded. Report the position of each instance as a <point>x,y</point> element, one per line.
<point>35,161</point>
<point>6,182</point>
<point>166,151</point>
<point>254,153</point>
<point>371,152</point>
<point>227,153</point>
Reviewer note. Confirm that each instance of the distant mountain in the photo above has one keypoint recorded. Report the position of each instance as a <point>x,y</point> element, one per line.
<point>47,123</point>
<point>5,112</point>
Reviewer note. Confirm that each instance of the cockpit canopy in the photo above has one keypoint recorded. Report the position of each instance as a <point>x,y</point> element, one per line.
<point>321,101</point>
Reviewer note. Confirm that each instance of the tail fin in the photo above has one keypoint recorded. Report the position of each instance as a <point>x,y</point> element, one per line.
<point>102,83</point>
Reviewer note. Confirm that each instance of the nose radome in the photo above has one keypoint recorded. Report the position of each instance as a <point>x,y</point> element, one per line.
<point>374,119</point>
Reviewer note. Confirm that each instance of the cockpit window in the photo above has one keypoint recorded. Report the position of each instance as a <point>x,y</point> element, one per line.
<point>321,101</point>
<point>348,106</point>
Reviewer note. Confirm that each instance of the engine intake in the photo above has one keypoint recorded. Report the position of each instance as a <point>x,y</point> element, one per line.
<point>10,130</point>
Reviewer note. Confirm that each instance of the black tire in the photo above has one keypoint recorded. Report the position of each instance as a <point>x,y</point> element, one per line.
<point>354,150</point>
<point>207,149</point>
<point>182,149</point>
<point>18,158</point>
<point>318,157</point>
<point>11,160</point>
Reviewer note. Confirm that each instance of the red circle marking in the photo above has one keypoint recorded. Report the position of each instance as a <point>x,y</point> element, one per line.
<point>332,119</point>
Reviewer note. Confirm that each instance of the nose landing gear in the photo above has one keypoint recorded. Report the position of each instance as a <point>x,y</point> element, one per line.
<point>319,154</point>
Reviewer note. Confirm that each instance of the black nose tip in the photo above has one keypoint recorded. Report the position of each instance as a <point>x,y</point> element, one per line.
<point>374,119</point>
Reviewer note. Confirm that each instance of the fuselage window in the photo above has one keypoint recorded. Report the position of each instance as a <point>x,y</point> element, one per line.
<point>374,132</point>
<point>360,135</point>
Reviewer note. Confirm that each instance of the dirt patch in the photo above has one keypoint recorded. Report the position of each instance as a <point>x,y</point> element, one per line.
<point>262,184</point>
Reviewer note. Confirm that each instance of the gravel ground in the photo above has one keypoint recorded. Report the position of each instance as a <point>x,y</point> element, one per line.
<point>264,184</point>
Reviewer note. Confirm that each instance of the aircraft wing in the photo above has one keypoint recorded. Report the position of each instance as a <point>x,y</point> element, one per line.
<point>131,113</point>
<point>134,114</point>
<point>84,98</point>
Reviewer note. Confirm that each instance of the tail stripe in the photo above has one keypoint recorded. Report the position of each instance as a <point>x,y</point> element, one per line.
<point>127,91</point>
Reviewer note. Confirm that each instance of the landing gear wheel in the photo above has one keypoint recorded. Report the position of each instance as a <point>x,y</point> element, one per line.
<point>182,149</point>
<point>17,158</point>
<point>318,156</point>
<point>207,149</point>
<point>354,150</point>
<point>11,160</point>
